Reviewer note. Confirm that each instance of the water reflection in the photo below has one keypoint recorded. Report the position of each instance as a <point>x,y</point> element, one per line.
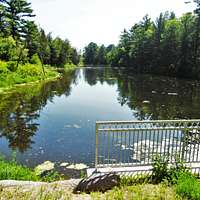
<point>55,120</point>
<point>20,110</point>
<point>169,98</point>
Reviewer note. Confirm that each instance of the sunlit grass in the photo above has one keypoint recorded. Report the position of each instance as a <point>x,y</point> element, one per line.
<point>10,170</point>
<point>23,74</point>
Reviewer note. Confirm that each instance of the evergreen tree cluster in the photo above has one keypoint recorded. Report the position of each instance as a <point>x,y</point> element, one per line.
<point>169,45</point>
<point>23,41</point>
<point>97,55</point>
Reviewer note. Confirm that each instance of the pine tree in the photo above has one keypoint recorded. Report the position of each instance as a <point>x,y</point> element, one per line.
<point>17,13</point>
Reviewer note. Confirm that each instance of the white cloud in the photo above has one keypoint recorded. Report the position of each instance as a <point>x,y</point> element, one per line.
<point>101,21</point>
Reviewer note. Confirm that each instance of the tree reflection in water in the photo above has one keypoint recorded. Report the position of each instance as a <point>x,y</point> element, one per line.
<point>169,98</point>
<point>20,110</point>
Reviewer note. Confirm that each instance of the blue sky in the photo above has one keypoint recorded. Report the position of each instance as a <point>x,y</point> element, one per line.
<point>100,21</point>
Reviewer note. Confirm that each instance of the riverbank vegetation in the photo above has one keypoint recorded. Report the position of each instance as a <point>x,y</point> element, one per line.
<point>171,183</point>
<point>170,45</point>
<point>26,51</point>
<point>11,170</point>
<point>25,73</point>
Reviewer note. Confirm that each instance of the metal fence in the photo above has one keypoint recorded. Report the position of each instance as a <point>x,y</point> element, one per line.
<point>136,143</point>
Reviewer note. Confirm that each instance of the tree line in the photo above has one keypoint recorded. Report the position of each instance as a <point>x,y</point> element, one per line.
<point>21,40</point>
<point>169,45</point>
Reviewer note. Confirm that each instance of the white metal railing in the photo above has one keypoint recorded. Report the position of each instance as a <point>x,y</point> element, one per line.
<point>135,143</point>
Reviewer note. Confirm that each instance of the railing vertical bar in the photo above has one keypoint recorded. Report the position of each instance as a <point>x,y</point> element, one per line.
<point>161,143</point>
<point>147,153</point>
<point>100,148</point>
<point>190,147</point>
<point>153,148</point>
<point>142,146</point>
<point>149,148</point>
<point>137,156</point>
<point>133,145</point>
<point>129,147</point>
<point>165,141</point>
<point>117,147</point>
<point>121,149</point>
<point>197,157</point>
<point>157,141</point>
<point>172,147</point>
<point>109,147</point>
<point>194,147</point>
<point>97,147</point>
<point>187,150</point>
<point>105,148</point>
<point>176,146</point>
<point>125,148</point>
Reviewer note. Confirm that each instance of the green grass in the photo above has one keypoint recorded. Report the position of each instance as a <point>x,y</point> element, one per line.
<point>139,192</point>
<point>11,170</point>
<point>54,192</point>
<point>10,76</point>
<point>34,193</point>
<point>188,187</point>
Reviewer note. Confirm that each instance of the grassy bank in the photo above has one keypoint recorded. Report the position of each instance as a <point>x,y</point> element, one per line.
<point>11,170</point>
<point>10,75</point>
<point>57,192</point>
<point>145,191</point>
<point>183,185</point>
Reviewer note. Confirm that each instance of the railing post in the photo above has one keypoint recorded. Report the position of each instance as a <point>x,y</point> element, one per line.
<point>96,148</point>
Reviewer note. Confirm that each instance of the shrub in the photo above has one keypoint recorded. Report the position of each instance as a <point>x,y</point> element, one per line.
<point>3,67</point>
<point>29,70</point>
<point>188,186</point>
<point>12,66</point>
<point>11,51</point>
<point>162,170</point>
<point>12,171</point>
<point>35,60</point>
<point>10,75</point>
<point>7,48</point>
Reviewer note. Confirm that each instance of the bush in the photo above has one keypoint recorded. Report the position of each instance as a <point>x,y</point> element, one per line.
<point>12,171</point>
<point>3,67</point>
<point>7,48</point>
<point>35,60</point>
<point>12,66</point>
<point>188,186</point>
<point>29,70</point>
<point>162,170</point>
<point>10,75</point>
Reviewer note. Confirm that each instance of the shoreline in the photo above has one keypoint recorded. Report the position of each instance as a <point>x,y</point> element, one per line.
<point>5,90</point>
<point>10,89</point>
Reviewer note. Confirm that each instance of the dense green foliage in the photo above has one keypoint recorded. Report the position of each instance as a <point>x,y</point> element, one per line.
<point>95,55</point>
<point>22,41</point>
<point>188,187</point>
<point>164,171</point>
<point>169,46</point>
<point>11,170</point>
<point>11,75</point>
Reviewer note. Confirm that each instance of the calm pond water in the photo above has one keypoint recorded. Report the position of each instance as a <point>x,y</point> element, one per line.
<point>56,121</point>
